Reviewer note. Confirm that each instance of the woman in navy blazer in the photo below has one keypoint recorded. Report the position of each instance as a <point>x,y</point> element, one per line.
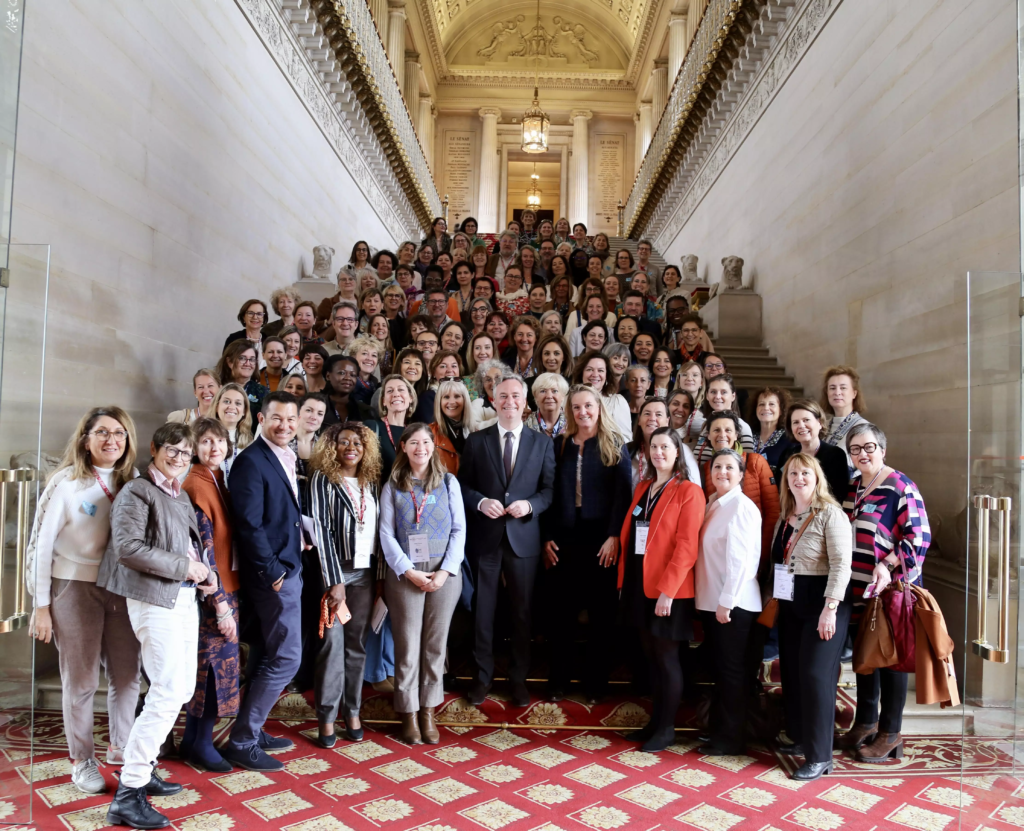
<point>581,531</point>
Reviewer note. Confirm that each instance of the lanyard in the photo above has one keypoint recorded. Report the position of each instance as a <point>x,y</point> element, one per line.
<point>110,496</point>
<point>524,372</point>
<point>864,493</point>
<point>418,509</point>
<point>362,501</point>
<point>661,490</point>
<point>388,428</point>
<point>794,537</point>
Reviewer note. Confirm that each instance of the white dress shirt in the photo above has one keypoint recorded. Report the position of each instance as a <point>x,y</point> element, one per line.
<point>517,434</point>
<point>730,551</point>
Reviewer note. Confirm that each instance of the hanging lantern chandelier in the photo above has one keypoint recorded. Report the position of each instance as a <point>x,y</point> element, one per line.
<point>533,197</point>
<point>535,120</point>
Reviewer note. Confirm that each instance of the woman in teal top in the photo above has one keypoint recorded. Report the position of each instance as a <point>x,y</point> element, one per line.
<point>423,535</point>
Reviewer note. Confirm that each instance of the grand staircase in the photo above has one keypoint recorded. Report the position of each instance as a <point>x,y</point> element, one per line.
<point>749,361</point>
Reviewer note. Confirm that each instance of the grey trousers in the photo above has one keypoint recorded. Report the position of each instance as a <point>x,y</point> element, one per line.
<point>91,627</point>
<point>419,622</point>
<point>338,682</point>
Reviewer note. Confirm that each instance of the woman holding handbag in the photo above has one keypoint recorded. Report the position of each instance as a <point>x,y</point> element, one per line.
<point>346,465</point>
<point>810,581</point>
<point>891,537</point>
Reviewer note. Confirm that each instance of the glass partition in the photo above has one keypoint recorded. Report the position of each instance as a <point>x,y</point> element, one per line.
<point>23,306</point>
<point>990,661</point>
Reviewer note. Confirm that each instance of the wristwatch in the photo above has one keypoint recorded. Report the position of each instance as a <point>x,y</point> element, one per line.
<point>890,566</point>
<point>832,605</point>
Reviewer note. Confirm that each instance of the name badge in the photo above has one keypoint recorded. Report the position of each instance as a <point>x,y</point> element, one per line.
<point>642,528</point>
<point>362,560</point>
<point>89,508</point>
<point>783,583</point>
<point>637,511</point>
<point>419,548</point>
<point>431,499</point>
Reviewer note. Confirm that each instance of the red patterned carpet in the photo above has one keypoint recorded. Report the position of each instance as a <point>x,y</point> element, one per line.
<point>534,779</point>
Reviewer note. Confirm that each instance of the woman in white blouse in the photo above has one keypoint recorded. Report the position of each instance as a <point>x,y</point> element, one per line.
<point>88,623</point>
<point>728,596</point>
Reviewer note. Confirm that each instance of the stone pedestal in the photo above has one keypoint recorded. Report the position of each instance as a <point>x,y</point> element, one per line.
<point>314,289</point>
<point>733,314</point>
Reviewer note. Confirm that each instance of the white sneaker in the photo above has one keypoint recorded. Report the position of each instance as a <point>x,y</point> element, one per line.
<point>115,756</point>
<point>87,778</point>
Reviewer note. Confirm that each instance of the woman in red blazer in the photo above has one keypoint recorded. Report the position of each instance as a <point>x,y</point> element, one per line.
<point>659,549</point>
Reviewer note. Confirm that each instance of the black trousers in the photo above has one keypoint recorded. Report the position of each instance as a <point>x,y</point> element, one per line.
<point>666,680</point>
<point>312,593</point>
<point>886,689</point>
<point>578,582</point>
<point>729,644</point>
<point>520,576</point>
<point>810,667</point>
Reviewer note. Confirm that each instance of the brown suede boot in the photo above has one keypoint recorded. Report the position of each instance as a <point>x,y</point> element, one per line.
<point>410,729</point>
<point>856,737</point>
<point>886,746</point>
<point>427,726</point>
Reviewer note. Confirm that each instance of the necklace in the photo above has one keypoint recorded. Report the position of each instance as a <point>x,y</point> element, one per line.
<point>362,502</point>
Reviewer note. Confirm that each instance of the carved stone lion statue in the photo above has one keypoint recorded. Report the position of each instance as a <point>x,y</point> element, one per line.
<point>322,255</point>
<point>690,274</point>
<point>732,273</point>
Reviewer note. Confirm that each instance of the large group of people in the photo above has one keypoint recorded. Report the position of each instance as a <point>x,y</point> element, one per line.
<point>463,425</point>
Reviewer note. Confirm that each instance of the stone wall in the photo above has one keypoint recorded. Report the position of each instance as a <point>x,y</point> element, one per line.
<point>884,170</point>
<point>175,172</point>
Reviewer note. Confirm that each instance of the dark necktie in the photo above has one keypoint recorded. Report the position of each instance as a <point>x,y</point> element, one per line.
<point>507,456</point>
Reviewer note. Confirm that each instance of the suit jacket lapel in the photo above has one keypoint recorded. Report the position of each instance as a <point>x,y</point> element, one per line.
<point>522,454</point>
<point>276,465</point>
<point>496,448</point>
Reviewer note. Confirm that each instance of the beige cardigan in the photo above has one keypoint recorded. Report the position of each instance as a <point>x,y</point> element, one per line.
<point>825,548</point>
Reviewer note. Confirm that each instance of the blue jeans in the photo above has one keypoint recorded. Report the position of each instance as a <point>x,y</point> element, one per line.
<point>279,646</point>
<point>380,654</point>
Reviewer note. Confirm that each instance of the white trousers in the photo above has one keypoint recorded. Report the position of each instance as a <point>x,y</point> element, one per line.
<point>169,641</point>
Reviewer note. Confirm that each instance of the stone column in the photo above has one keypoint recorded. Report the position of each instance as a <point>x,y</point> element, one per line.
<point>646,128</point>
<point>638,143</point>
<point>579,168</point>
<point>411,85</point>
<point>487,199</point>
<point>676,45</point>
<point>396,37</point>
<point>426,128</point>
<point>659,90</point>
<point>379,13</point>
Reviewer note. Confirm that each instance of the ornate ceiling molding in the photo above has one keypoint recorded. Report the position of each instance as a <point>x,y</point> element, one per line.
<point>319,85</point>
<point>782,35</point>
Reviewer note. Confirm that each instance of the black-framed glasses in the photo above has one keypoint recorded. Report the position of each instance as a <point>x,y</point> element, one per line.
<point>120,436</point>
<point>256,315</point>
<point>244,361</point>
<point>857,449</point>
<point>175,452</point>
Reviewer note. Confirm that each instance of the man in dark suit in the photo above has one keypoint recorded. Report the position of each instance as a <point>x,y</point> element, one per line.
<point>268,532</point>
<point>507,475</point>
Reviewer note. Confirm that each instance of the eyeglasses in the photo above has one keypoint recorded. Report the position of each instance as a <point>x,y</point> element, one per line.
<point>256,315</point>
<point>438,301</point>
<point>344,319</point>
<point>174,452</point>
<point>713,365</point>
<point>857,449</point>
<point>350,443</point>
<point>120,436</point>
<point>247,361</point>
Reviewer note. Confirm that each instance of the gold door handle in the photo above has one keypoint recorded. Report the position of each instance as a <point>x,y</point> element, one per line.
<point>22,479</point>
<point>983,505</point>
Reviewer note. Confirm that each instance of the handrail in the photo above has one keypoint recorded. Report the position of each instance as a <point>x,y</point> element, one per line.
<point>352,34</point>
<point>686,90</point>
<point>22,479</point>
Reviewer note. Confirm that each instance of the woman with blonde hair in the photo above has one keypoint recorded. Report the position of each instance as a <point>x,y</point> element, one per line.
<point>343,503</point>
<point>238,365</point>
<point>581,529</point>
<point>690,377</point>
<point>283,301</point>
<point>89,625</point>
<point>230,409</point>
<point>454,420</point>
<point>549,391</point>
<point>811,557</point>
<point>398,402</point>
<point>423,536</point>
<point>205,385</point>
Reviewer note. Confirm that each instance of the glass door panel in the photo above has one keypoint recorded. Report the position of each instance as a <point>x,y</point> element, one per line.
<point>23,305</point>
<point>990,660</point>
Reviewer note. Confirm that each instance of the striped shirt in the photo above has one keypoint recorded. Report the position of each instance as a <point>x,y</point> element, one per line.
<point>890,519</point>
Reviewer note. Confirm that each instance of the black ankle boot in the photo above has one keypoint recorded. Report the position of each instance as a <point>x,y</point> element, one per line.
<point>131,807</point>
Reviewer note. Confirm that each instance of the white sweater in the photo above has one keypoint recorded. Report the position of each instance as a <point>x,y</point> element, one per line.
<point>71,531</point>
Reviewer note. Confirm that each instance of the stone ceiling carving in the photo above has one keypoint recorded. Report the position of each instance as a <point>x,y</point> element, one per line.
<point>501,42</point>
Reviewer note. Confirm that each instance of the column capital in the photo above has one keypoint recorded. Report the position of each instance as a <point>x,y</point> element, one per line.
<point>487,112</point>
<point>646,105</point>
<point>396,12</point>
<point>677,17</point>
<point>587,114</point>
<point>660,64</point>
<point>412,56</point>
<point>396,4</point>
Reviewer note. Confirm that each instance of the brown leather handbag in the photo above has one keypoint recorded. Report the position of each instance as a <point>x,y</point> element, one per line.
<point>875,647</point>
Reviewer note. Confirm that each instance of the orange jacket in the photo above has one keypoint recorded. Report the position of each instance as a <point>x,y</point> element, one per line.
<point>760,488</point>
<point>671,542</point>
<point>444,447</point>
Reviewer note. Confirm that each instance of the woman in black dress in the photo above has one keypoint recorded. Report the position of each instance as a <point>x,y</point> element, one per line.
<point>805,423</point>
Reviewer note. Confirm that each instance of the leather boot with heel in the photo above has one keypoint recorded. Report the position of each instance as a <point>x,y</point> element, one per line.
<point>410,729</point>
<point>131,807</point>
<point>857,736</point>
<point>428,729</point>
<point>886,746</point>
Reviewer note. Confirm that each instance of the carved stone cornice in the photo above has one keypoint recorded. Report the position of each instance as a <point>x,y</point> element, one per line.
<point>366,85</point>
<point>298,48</point>
<point>768,60</point>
